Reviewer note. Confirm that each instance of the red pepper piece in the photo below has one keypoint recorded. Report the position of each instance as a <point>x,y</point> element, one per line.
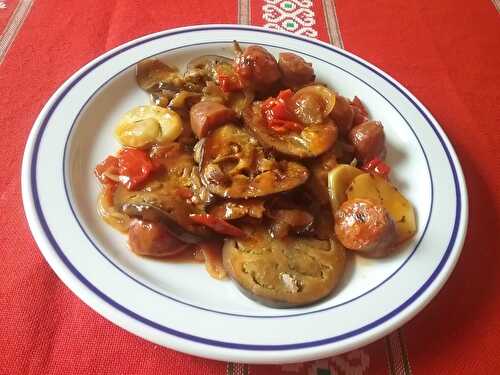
<point>109,165</point>
<point>281,111</point>
<point>278,116</point>
<point>268,104</point>
<point>377,166</point>
<point>134,167</point>
<point>217,225</point>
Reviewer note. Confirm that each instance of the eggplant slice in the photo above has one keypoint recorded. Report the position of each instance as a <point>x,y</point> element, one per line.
<point>206,66</point>
<point>234,165</point>
<point>312,141</point>
<point>153,75</point>
<point>284,272</point>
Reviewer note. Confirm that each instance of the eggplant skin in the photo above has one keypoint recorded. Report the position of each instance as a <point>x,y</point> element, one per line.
<point>284,273</point>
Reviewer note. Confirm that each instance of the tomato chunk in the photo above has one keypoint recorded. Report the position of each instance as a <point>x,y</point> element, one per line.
<point>134,167</point>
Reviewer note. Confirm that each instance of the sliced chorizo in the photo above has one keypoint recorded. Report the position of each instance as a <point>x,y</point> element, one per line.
<point>207,115</point>
<point>153,239</point>
<point>365,226</point>
<point>343,115</point>
<point>295,70</point>
<point>368,140</point>
<point>257,67</point>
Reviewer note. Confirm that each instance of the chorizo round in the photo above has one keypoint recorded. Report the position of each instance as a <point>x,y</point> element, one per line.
<point>295,70</point>
<point>368,140</point>
<point>365,226</point>
<point>257,67</point>
<point>207,115</point>
<point>343,115</point>
<point>153,239</point>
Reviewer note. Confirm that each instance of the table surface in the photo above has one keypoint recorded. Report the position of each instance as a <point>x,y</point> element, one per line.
<point>447,52</point>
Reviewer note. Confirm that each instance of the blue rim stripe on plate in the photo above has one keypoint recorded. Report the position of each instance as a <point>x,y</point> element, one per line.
<point>103,253</point>
<point>223,344</point>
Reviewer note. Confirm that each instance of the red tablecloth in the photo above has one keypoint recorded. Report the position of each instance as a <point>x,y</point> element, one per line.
<point>447,52</point>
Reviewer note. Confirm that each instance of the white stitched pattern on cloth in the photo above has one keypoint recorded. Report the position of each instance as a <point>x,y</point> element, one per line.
<point>397,355</point>
<point>296,16</point>
<point>356,362</point>
<point>14,25</point>
<point>332,23</point>
<point>496,3</point>
<point>244,12</point>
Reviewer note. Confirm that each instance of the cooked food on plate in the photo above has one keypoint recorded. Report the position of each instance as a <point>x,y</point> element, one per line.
<point>252,166</point>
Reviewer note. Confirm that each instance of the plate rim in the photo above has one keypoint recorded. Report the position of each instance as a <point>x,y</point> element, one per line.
<point>101,307</point>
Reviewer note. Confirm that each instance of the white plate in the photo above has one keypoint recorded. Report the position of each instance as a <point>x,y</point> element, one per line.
<point>179,305</point>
